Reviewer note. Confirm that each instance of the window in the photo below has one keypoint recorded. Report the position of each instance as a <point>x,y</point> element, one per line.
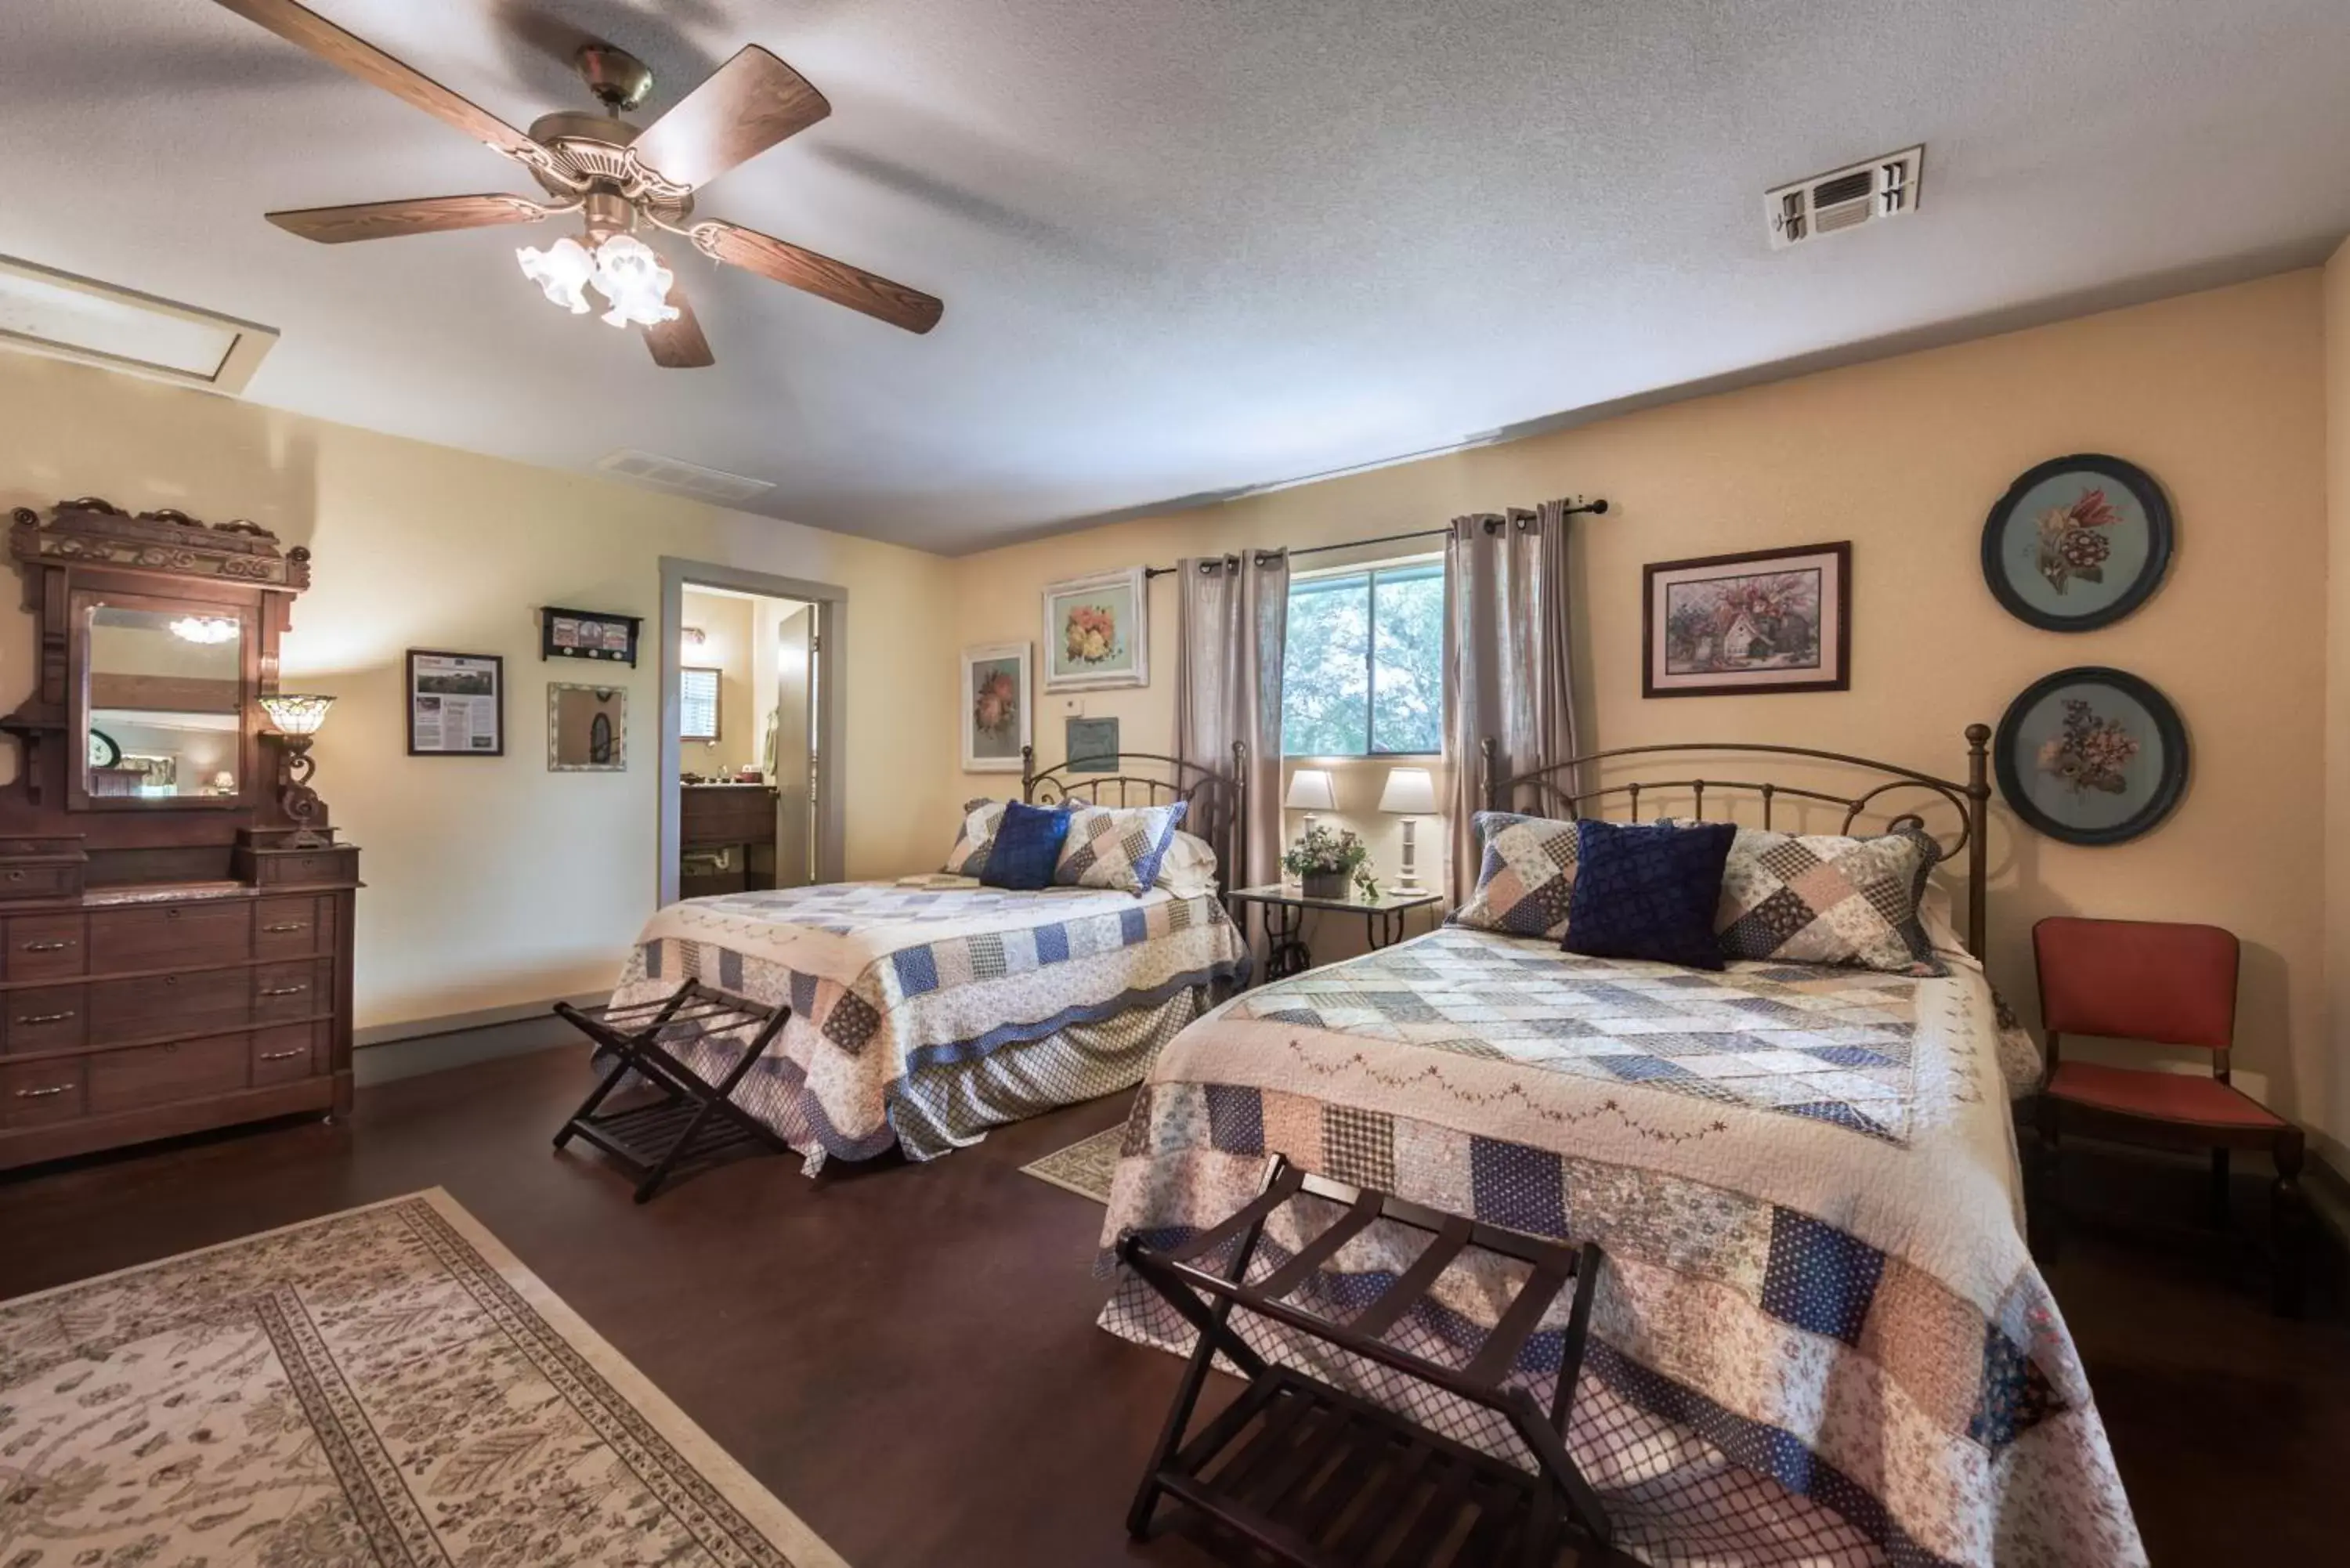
<point>1364,672</point>
<point>697,703</point>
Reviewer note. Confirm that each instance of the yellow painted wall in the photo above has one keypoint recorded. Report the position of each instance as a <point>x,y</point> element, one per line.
<point>490,881</point>
<point>726,628</point>
<point>2220,395</point>
<point>2336,1119</point>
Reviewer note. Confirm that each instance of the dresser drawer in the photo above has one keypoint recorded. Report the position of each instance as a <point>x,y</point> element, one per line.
<point>171,936</point>
<point>281,1054</point>
<point>42,945</point>
<point>159,1075</point>
<point>282,991</point>
<point>43,1018</point>
<point>59,881</point>
<point>292,927</point>
<point>291,868</point>
<point>170,1003</point>
<point>35,1092</point>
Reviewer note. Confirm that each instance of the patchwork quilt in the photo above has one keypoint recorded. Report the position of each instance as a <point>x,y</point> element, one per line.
<point>1818,1338</point>
<point>925,1010</point>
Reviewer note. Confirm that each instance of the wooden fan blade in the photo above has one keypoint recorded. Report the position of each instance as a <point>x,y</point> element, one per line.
<point>741,110</point>
<point>678,345</point>
<point>347,52</point>
<point>836,281</point>
<point>422,215</point>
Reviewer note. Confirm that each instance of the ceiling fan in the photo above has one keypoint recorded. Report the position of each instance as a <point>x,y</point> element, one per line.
<point>616,176</point>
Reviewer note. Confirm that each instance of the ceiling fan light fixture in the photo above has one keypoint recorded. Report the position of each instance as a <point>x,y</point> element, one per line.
<point>563,270</point>
<point>630,275</point>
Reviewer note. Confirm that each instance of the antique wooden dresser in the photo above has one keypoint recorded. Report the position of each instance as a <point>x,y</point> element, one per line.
<point>175,911</point>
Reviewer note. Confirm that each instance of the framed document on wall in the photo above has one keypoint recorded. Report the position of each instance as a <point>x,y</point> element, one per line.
<point>456,704</point>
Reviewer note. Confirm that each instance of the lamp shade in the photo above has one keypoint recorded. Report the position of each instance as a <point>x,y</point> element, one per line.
<point>296,712</point>
<point>1410,791</point>
<point>1309,790</point>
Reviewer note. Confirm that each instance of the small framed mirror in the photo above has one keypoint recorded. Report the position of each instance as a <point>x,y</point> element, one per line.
<point>162,703</point>
<point>587,729</point>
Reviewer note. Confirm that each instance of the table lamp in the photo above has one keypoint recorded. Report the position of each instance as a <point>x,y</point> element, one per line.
<point>1409,793</point>
<point>296,716</point>
<point>1309,792</point>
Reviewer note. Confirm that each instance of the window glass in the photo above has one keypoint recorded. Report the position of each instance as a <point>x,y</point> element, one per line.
<point>1363,674</point>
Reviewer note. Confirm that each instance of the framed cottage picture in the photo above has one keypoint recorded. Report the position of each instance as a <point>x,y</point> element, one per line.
<point>1097,632</point>
<point>456,704</point>
<point>996,707</point>
<point>1765,620</point>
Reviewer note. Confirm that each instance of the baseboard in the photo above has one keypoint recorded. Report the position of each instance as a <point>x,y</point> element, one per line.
<point>433,1045</point>
<point>376,1034</point>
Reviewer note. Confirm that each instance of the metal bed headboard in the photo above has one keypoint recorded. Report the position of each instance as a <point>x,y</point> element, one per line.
<point>1218,802</point>
<point>1557,790</point>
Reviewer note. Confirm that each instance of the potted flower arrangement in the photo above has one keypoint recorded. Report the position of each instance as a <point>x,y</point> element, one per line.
<point>1325,861</point>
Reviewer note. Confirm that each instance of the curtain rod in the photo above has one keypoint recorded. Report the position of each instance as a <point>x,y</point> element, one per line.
<point>1594,507</point>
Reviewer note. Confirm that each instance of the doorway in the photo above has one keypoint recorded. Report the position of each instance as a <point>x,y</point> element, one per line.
<point>752,714</point>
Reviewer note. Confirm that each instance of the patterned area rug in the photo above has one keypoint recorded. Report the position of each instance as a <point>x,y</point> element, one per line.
<point>1085,1167</point>
<point>385,1386</point>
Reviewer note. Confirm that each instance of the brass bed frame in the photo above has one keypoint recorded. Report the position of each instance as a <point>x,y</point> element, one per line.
<point>1218,802</point>
<point>1558,791</point>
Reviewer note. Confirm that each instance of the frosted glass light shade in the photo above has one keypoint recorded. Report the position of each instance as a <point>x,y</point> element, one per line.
<point>630,275</point>
<point>1309,790</point>
<point>1410,791</point>
<point>563,269</point>
<point>296,712</point>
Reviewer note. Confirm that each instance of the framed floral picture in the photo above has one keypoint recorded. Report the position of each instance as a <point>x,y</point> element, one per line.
<point>2091,756</point>
<point>1764,620</point>
<point>2077,543</point>
<point>996,707</point>
<point>1097,632</point>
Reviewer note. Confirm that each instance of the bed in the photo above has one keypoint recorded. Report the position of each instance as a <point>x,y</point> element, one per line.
<point>929,1009</point>
<point>1819,1336</point>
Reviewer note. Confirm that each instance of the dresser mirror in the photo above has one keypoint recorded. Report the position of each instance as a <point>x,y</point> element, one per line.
<point>162,710</point>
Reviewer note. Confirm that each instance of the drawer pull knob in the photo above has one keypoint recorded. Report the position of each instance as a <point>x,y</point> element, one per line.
<point>171,914</point>
<point>47,1017</point>
<point>15,875</point>
<point>283,989</point>
<point>42,1094</point>
<point>45,946</point>
<point>282,1055</point>
<point>288,926</point>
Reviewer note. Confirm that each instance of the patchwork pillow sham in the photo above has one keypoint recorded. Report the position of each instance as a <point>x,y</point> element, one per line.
<point>1829,900</point>
<point>1117,847</point>
<point>1525,878</point>
<point>1648,891</point>
<point>981,820</point>
<point>1027,847</point>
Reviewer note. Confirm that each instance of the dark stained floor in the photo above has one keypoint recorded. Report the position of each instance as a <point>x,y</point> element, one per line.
<point>907,1356</point>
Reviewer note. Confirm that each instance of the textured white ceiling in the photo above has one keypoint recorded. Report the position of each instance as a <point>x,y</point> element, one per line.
<point>1185,246</point>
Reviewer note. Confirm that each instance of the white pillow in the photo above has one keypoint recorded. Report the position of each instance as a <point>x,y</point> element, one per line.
<point>1189,869</point>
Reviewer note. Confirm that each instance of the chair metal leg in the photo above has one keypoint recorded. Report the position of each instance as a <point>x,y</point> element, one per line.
<point>2289,1228</point>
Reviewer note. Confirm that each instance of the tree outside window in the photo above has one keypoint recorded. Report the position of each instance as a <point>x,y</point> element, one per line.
<point>1363,674</point>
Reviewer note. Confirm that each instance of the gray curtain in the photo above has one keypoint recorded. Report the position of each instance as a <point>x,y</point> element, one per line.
<point>1231,615</point>
<point>1509,675</point>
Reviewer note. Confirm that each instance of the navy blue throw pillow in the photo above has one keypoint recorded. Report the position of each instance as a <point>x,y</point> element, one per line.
<point>1027,847</point>
<point>1646,890</point>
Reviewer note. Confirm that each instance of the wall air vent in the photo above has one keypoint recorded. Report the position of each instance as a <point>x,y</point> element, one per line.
<point>1866,193</point>
<point>682,478</point>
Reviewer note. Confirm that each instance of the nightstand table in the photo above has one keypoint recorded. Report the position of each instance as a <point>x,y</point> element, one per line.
<point>1283,910</point>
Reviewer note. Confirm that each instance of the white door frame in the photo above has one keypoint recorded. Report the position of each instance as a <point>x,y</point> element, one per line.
<point>831,602</point>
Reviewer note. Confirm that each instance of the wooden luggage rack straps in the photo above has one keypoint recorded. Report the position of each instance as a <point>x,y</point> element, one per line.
<point>1321,1478</point>
<point>690,1120</point>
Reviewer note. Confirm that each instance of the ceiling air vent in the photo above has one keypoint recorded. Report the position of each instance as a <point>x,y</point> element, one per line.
<point>1881,188</point>
<point>684,478</point>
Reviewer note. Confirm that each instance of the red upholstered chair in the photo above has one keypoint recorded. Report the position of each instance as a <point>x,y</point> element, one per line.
<point>2168,985</point>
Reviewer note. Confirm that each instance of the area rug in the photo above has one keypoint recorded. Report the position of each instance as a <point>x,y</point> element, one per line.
<point>385,1386</point>
<point>1085,1168</point>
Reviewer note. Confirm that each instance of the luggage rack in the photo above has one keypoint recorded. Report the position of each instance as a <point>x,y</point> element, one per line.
<point>1308,1474</point>
<point>693,1121</point>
